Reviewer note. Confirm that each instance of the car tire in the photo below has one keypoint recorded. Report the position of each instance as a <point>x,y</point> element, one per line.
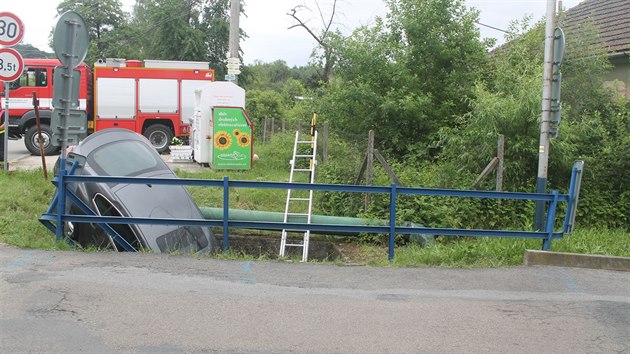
<point>32,144</point>
<point>159,136</point>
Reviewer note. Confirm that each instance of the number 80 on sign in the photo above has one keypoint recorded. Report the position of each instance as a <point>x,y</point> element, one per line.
<point>11,29</point>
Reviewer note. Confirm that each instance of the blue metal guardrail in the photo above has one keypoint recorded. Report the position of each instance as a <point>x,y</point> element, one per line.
<point>56,212</point>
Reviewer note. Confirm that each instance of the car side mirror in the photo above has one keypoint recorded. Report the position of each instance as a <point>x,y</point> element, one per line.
<point>74,157</point>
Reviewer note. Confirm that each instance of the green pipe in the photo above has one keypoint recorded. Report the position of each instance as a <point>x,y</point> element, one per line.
<point>272,216</point>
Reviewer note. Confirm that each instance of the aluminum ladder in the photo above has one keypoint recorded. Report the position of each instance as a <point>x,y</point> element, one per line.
<point>299,203</point>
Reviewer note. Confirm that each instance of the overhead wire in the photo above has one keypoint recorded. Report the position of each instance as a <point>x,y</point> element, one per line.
<point>492,27</point>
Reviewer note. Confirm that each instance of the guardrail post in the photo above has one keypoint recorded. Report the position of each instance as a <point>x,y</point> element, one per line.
<point>61,201</point>
<point>392,221</point>
<point>551,217</point>
<point>574,194</point>
<point>226,210</point>
<point>567,216</point>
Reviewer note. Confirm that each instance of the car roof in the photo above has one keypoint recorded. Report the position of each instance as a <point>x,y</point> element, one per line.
<point>98,141</point>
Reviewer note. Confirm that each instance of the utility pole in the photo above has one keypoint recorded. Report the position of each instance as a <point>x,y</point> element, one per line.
<point>233,60</point>
<point>543,148</point>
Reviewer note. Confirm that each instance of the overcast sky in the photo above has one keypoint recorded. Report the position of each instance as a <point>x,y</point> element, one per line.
<point>266,22</point>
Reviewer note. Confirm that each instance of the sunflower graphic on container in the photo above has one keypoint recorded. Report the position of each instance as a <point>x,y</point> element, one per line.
<point>222,140</point>
<point>243,140</point>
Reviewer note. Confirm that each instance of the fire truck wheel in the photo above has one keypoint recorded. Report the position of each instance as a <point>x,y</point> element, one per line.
<point>160,136</point>
<point>32,143</point>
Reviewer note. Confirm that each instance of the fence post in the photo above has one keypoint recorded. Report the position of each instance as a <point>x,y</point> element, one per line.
<point>265,130</point>
<point>325,142</point>
<point>392,221</point>
<point>369,166</point>
<point>500,154</point>
<point>551,217</point>
<point>273,127</point>
<point>226,212</point>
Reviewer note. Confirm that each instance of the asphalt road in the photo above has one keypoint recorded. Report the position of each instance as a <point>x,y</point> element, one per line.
<point>17,150</point>
<point>107,302</point>
<point>21,159</point>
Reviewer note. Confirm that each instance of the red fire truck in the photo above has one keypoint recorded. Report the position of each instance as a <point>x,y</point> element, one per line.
<point>154,98</point>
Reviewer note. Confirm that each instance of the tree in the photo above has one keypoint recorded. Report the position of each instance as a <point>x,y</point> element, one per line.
<point>273,92</point>
<point>507,102</point>
<point>194,30</point>
<point>177,31</point>
<point>324,38</point>
<point>28,51</point>
<point>308,75</point>
<point>268,75</point>
<point>594,124</point>
<point>216,21</point>
<point>408,77</point>
<point>265,104</point>
<point>101,17</point>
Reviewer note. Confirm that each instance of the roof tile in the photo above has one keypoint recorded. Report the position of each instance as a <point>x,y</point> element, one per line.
<point>612,17</point>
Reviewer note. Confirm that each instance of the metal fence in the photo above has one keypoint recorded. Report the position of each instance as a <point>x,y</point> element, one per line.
<point>55,216</point>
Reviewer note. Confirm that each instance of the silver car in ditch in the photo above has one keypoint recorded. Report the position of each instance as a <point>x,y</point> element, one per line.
<point>121,152</point>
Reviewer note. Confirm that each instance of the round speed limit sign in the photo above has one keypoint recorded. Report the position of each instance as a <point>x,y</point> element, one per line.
<point>11,65</point>
<point>11,29</point>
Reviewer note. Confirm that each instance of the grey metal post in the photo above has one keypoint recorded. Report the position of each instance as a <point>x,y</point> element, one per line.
<point>69,73</point>
<point>543,148</point>
<point>5,163</point>
<point>235,12</point>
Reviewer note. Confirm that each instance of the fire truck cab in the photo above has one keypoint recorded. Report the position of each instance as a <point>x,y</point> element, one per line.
<point>37,78</point>
<point>154,98</point>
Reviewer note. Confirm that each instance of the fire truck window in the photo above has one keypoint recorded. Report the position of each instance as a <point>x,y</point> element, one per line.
<point>14,85</point>
<point>31,78</point>
<point>22,81</point>
<point>42,79</point>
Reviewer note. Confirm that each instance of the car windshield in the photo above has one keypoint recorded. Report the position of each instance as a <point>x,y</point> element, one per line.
<point>124,158</point>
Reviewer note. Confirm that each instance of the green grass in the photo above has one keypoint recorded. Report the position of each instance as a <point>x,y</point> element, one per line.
<point>615,242</point>
<point>25,196</point>
<point>502,252</point>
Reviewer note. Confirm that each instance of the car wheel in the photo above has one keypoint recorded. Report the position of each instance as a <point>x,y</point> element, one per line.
<point>160,136</point>
<point>31,141</point>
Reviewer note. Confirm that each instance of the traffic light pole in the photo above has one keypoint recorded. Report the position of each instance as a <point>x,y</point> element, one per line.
<point>543,148</point>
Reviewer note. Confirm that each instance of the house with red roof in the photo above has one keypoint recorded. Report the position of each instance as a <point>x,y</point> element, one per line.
<point>612,20</point>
